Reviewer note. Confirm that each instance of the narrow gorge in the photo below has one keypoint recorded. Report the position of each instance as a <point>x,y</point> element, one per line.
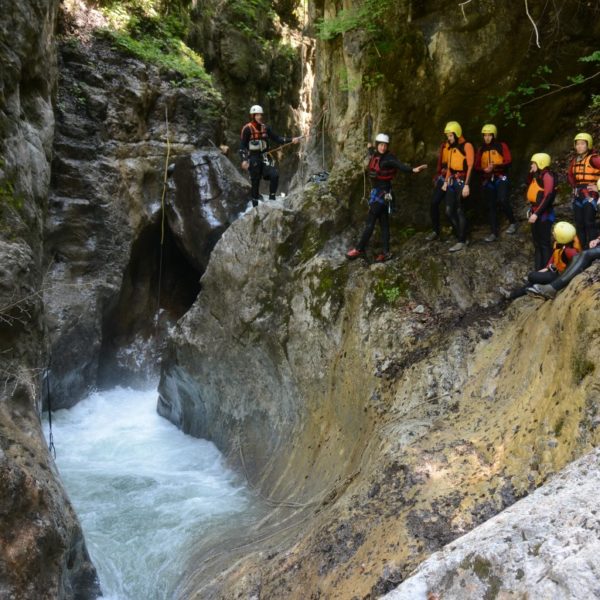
<point>382,428</point>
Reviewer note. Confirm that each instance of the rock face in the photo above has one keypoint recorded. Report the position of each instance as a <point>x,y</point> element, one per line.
<point>104,230</point>
<point>545,546</point>
<point>381,410</point>
<point>42,552</point>
<point>413,67</point>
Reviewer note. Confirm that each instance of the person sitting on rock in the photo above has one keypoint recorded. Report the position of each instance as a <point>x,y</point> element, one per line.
<point>438,193</point>
<point>541,193</point>
<point>583,172</point>
<point>492,161</point>
<point>566,247</point>
<point>254,151</point>
<point>383,166</point>
<point>461,159</point>
<point>579,264</point>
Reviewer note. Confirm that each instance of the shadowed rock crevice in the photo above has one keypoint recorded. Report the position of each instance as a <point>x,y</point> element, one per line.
<point>152,298</point>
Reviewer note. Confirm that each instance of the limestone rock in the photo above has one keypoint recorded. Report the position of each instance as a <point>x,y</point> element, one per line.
<point>544,546</point>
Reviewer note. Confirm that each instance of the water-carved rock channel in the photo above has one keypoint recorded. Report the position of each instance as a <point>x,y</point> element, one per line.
<point>144,491</point>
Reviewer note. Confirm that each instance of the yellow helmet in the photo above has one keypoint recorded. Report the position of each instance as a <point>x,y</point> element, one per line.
<point>586,137</point>
<point>541,159</point>
<point>564,233</point>
<point>489,128</point>
<point>453,127</point>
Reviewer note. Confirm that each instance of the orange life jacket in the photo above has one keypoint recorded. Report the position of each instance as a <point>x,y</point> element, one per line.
<point>535,191</point>
<point>493,156</point>
<point>457,158</point>
<point>444,158</point>
<point>583,170</point>
<point>376,171</point>
<point>558,259</point>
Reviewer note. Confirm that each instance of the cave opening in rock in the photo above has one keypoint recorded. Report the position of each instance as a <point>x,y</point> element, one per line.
<point>151,300</point>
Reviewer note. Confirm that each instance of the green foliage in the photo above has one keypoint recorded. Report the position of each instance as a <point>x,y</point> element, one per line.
<point>247,15</point>
<point>509,105</point>
<point>389,289</point>
<point>368,16</point>
<point>581,366</point>
<point>139,27</point>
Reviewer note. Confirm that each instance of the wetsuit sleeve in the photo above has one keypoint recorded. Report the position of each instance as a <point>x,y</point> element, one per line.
<point>391,162</point>
<point>570,174</point>
<point>595,161</point>
<point>548,182</point>
<point>244,141</point>
<point>506,155</point>
<point>277,138</point>
<point>478,166</point>
<point>470,156</point>
<point>439,161</point>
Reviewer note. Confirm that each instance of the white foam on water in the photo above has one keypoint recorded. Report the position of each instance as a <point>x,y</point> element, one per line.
<point>143,490</point>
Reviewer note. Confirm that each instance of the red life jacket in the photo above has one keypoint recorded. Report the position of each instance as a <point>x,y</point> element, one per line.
<point>258,131</point>
<point>584,172</point>
<point>376,171</point>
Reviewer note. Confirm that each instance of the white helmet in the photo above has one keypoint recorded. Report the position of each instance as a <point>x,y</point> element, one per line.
<point>256,109</point>
<point>383,138</point>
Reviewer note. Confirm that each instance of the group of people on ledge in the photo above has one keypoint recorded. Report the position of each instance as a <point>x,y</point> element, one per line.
<point>561,250</point>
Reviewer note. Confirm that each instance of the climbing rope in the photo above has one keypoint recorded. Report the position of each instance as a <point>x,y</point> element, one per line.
<point>51,447</point>
<point>162,208</point>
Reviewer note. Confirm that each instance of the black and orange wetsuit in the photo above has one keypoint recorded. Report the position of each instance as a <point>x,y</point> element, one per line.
<point>541,193</point>
<point>495,183</point>
<point>461,160</point>
<point>584,171</point>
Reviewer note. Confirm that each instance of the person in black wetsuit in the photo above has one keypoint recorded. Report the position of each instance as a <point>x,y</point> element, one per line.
<point>383,166</point>
<point>579,264</point>
<point>254,152</point>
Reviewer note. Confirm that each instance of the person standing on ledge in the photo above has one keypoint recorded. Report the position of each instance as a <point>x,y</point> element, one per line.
<point>254,152</point>
<point>461,159</point>
<point>383,167</point>
<point>583,174</point>
<point>493,161</point>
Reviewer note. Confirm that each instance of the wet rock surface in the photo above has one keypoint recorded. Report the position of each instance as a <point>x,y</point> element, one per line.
<point>42,552</point>
<point>109,298</point>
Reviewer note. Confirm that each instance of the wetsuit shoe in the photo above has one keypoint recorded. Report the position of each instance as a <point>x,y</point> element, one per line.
<point>512,228</point>
<point>254,201</point>
<point>354,253</point>
<point>542,291</point>
<point>457,247</point>
<point>383,257</point>
<point>490,238</point>
<point>434,235</point>
<point>271,196</point>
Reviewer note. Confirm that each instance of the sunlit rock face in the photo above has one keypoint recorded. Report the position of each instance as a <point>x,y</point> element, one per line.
<point>385,410</point>
<point>545,546</point>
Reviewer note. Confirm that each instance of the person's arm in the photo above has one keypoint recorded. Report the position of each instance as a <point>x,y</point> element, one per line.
<point>470,155</point>
<point>571,175</point>
<point>506,155</point>
<point>478,166</point>
<point>389,161</point>
<point>548,182</point>
<point>281,139</point>
<point>244,151</point>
